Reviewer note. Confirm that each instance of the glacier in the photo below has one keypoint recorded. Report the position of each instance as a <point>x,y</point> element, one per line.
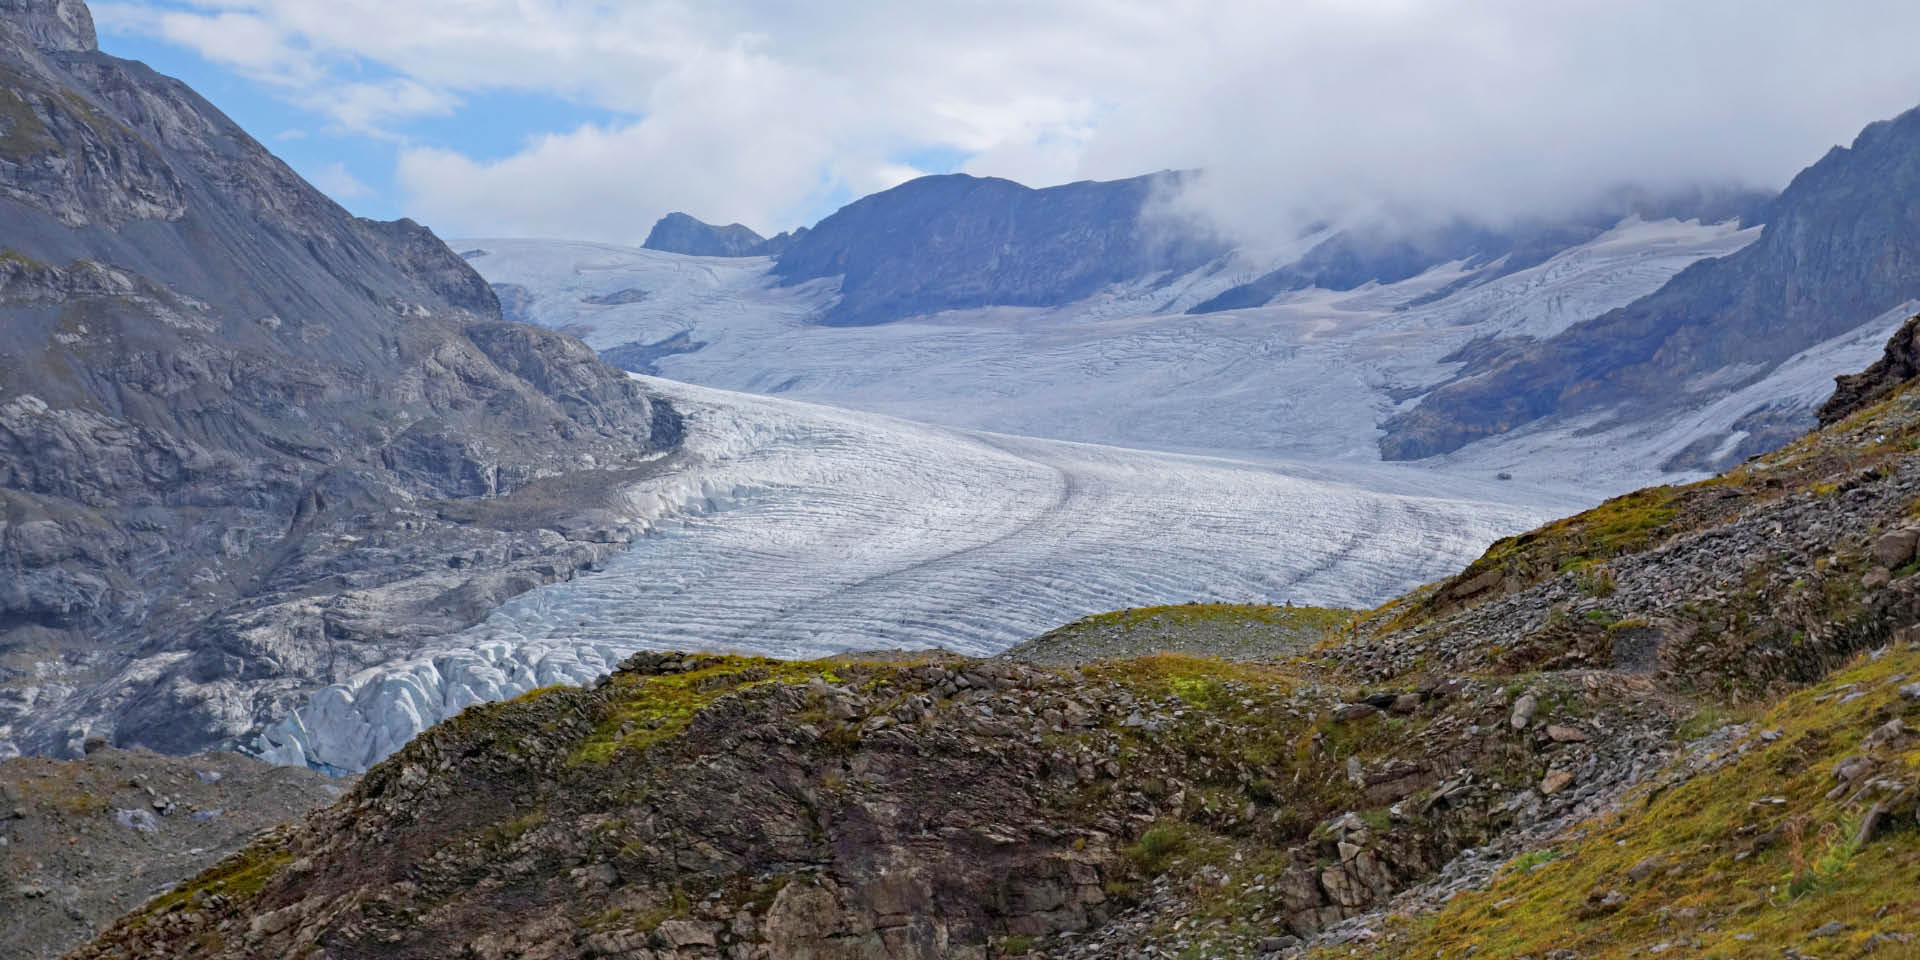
<point>793,529</point>
<point>1306,379</point>
<point>971,479</point>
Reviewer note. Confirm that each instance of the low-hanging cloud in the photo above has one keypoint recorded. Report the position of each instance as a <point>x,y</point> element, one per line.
<point>1497,110</point>
<point>1311,110</point>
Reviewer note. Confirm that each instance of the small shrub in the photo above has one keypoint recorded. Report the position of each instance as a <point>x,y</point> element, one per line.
<point>1159,847</point>
<point>1016,945</point>
<point>1838,843</point>
<point>1596,581</point>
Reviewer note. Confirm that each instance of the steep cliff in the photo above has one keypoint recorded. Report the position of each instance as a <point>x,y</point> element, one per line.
<point>231,416</point>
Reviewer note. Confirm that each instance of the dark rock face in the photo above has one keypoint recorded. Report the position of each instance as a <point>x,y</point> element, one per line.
<point>680,233</point>
<point>1355,257</point>
<point>955,241</point>
<point>1841,246</point>
<point>234,419</point>
<point>1857,391</point>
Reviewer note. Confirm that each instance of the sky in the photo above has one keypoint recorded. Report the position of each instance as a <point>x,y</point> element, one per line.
<point>589,119</point>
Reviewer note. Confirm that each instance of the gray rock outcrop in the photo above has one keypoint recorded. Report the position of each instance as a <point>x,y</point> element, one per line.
<point>680,233</point>
<point>249,443</point>
<point>956,241</point>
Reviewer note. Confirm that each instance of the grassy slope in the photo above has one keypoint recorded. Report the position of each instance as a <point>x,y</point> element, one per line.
<point>1234,631</point>
<point>1739,861</point>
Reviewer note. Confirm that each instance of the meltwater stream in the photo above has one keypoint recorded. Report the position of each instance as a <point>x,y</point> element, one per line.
<point>797,530</point>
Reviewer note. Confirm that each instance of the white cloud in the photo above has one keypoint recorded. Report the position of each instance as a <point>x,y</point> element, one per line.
<point>752,110</point>
<point>373,108</point>
<point>336,181</point>
<point>722,139</point>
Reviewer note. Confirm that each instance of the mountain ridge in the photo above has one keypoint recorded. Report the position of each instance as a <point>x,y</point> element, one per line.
<point>1842,245</point>
<point>1353,257</point>
<point>953,240</point>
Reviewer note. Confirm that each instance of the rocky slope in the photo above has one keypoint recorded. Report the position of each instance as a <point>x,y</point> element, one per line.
<point>954,241</point>
<point>250,444</point>
<point>680,233</point>
<point>1841,246</point>
<point>1588,704</point>
<point>86,840</point>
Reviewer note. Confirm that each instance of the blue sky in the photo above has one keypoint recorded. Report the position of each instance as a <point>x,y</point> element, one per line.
<point>591,118</point>
<point>356,169</point>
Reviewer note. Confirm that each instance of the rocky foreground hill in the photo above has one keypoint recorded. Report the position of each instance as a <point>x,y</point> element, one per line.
<point>83,841</point>
<point>249,443</point>
<point>1680,723</point>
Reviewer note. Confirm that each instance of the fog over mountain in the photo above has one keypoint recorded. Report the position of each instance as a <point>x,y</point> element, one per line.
<point>1299,112</point>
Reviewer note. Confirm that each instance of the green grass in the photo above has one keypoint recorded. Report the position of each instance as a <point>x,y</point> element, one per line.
<point>650,709</point>
<point>1160,846</point>
<point>1756,853</point>
<point>1309,624</point>
<point>242,875</point>
<point>1312,619</point>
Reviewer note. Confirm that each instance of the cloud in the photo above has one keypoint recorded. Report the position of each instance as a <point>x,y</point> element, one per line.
<point>1499,108</point>
<point>755,111</point>
<point>373,108</point>
<point>336,181</point>
<point>721,139</point>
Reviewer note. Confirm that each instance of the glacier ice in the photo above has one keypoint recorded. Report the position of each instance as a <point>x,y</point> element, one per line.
<point>793,530</point>
<point>1306,379</point>
<point>798,529</point>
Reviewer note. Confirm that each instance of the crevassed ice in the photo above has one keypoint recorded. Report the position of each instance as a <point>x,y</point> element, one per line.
<point>797,530</point>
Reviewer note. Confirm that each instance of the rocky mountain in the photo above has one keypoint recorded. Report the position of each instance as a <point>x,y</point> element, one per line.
<point>955,241</point>
<point>1682,721</point>
<point>680,233</point>
<point>250,444</point>
<point>1841,246</point>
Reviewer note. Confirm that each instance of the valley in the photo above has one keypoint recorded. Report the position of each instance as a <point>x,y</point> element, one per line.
<point>796,530</point>
<point>1178,565</point>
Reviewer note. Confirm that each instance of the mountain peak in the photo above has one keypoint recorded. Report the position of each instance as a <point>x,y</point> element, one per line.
<point>54,26</point>
<point>680,233</point>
